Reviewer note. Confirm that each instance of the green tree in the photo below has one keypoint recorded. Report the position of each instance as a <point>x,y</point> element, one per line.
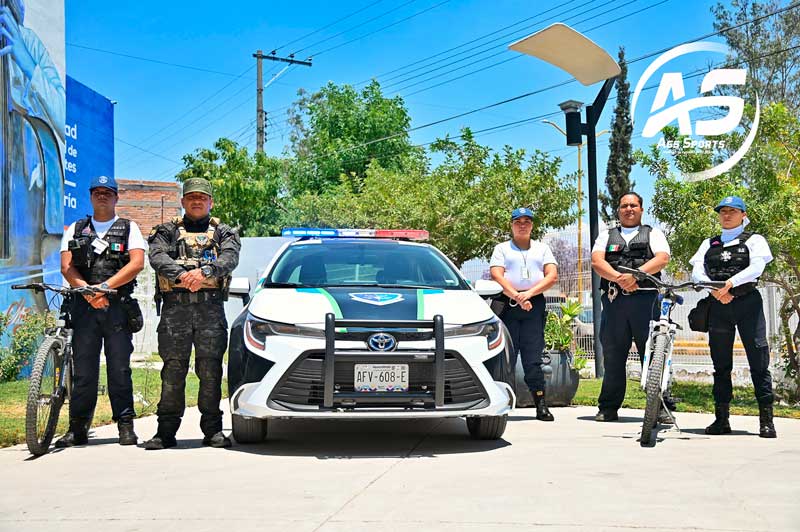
<point>768,179</point>
<point>339,130</point>
<point>247,188</point>
<point>464,203</point>
<point>770,48</point>
<point>620,157</point>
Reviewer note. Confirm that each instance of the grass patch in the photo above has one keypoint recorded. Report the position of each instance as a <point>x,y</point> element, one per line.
<point>146,390</point>
<point>695,397</point>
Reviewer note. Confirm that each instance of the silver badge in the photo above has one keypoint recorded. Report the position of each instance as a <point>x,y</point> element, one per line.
<point>726,256</point>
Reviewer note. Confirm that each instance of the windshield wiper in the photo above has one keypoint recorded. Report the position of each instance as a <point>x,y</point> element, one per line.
<point>284,285</point>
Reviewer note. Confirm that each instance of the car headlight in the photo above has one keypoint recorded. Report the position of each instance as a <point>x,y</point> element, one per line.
<point>256,330</point>
<point>491,329</point>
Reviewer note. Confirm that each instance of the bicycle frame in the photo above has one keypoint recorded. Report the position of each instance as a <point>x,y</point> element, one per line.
<point>664,325</point>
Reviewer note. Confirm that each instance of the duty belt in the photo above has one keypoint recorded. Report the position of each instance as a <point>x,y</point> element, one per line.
<point>192,297</point>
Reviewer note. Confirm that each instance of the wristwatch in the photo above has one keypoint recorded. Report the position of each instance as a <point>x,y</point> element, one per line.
<point>104,286</point>
<point>207,270</point>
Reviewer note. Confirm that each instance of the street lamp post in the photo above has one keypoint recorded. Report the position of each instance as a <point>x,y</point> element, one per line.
<point>573,52</point>
<point>580,198</point>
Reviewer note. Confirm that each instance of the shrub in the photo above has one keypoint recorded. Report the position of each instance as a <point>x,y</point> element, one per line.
<point>25,340</point>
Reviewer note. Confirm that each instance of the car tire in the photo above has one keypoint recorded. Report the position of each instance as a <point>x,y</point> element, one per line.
<point>487,427</point>
<point>249,430</point>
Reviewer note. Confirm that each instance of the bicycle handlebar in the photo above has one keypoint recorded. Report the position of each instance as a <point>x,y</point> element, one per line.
<point>644,276</point>
<point>64,290</point>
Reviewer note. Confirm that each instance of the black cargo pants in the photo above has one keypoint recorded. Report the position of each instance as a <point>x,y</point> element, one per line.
<point>183,325</point>
<point>747,313</point>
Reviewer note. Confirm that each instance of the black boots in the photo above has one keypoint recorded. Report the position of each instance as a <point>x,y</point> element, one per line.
<point>721,424</point>
<point>766,427</point>
<point>126,434</point>
<point>606,415</point>
<point>158,442</point>
<point>218,440</point>
<point>542,412</point>
<point>78,434</point>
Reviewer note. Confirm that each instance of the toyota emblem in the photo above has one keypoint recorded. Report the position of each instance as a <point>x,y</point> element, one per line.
<point>382,342</point>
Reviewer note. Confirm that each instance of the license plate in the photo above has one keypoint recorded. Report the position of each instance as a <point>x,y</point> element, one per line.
<point>381,378</point>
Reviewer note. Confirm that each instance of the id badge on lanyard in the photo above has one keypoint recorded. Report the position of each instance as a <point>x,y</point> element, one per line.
<point>526,274</point>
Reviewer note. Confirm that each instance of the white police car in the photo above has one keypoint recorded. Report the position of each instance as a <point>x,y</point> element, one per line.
<point>367,324</point>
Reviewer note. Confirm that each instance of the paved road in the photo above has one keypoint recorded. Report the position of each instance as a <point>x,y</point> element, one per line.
<point>571,475</point>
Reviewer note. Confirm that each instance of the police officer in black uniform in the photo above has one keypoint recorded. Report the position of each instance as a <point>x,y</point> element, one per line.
<point>738,258</point>
<point>193,258</point>
<point>106,251</point>
<point>628,306</point>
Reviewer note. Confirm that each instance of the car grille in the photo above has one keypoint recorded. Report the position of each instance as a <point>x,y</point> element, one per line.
<point>302,387</point>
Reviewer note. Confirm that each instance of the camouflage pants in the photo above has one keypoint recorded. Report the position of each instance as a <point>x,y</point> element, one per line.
<point>182,326</point>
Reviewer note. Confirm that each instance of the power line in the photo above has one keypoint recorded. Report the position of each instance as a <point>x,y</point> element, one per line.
<point>373,19</point>
<point>328,25</point>
<point>418,13</point>
<point>150,60</point>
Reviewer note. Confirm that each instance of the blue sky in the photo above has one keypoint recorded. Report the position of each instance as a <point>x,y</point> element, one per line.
<point>160,107</point>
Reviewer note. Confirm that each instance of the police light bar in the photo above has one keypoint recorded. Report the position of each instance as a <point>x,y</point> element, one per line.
<point>310,232</point>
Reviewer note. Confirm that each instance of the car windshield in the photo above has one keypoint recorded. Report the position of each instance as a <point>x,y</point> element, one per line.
<point>363,263</point>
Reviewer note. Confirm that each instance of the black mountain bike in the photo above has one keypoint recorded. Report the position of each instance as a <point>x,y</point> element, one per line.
<point>51,374</point>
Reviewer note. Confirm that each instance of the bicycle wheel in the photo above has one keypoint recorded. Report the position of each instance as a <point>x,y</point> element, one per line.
<point>653,388</point>
<point>44,399</point>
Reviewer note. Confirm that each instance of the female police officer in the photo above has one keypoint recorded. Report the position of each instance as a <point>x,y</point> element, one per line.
<point>739,258</point>
<point>525,269</point>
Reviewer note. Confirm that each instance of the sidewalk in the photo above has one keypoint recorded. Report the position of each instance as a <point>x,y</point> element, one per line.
<point>573,474</point>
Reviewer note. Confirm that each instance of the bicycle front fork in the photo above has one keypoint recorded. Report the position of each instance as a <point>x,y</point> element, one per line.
<point>656,328</point>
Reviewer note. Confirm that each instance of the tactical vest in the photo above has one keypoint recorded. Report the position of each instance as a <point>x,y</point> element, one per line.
<point>194,250</point>
<point>632,254</point>
<point>723,262</point>
<point>98,268</point>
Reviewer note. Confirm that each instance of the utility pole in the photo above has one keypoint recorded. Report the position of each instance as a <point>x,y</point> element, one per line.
<point>261,115</point>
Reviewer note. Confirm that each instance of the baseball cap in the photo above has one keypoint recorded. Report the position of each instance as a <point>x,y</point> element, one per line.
<point>103,181</point>
<point>731,201</point>
<point>520,212</point>
<point>197,184</point>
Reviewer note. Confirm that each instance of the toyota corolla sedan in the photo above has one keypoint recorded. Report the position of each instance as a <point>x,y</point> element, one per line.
<point>367,324</point>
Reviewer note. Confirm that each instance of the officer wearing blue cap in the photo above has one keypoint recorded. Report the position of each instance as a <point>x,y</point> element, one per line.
<point>526,269</point>
<point>737,257</point>
<point>107,251</point>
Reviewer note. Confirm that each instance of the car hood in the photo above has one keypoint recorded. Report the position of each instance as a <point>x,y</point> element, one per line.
<point>309,305</point>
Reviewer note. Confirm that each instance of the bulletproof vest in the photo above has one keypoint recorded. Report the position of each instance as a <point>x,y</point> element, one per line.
<point>723,262</point>
<point>194,250</point>
<point>632,254</point>
<point>97,268</point>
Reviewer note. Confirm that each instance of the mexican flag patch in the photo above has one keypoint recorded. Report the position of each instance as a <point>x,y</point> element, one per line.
<point>614,247</point>
<point>117,247</point>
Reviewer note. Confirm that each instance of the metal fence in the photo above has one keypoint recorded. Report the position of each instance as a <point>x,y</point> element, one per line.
<point>574,281</point>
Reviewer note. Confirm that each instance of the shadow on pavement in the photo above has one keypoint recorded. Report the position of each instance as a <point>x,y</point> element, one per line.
<point>622,419</point>
<point>340,439</point>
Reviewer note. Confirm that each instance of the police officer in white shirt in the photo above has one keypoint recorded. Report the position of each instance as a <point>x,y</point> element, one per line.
<point>107,251</point>
<point>526,269</point>
<point>628,306</point>
<point>739,258</point>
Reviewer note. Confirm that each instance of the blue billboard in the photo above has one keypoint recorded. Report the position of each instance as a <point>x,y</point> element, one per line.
<point>90,146</point>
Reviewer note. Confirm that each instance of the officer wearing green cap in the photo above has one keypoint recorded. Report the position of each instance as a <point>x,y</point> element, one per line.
<point>193,257</point>
<point>737,257</point>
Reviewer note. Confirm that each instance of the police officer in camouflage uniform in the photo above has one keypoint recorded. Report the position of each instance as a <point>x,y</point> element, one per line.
<point>193,258</point>
<point>737,257</point>
<point>105,251</point>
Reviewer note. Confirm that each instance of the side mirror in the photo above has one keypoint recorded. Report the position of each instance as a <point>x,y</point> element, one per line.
<point>487,288</point>
<point>240,287</point>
